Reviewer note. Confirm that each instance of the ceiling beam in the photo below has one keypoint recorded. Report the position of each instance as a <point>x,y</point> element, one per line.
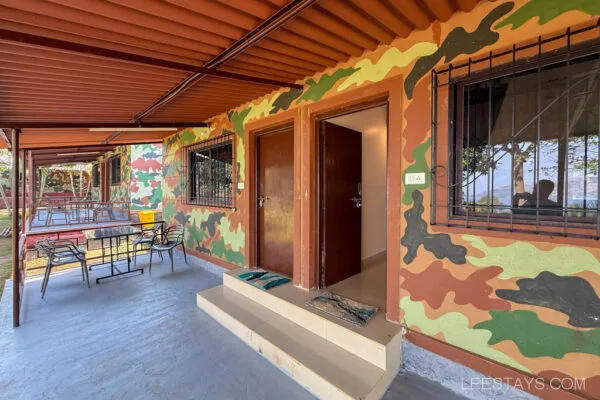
<point>37,145</point>
<point>74,149</point>
<point>26,38</point>
<point>88,125</point>
<point>112,137</point>
<point>269,25</point>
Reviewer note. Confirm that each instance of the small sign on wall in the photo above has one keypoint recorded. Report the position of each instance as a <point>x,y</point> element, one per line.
<point>414,178</point>
<point>240,185</point>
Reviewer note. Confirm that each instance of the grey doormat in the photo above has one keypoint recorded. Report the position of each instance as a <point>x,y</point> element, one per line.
<point>341,307</point>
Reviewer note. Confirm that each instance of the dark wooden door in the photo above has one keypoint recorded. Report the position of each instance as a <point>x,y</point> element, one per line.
<point>340,217</point>
<point>275,203</point>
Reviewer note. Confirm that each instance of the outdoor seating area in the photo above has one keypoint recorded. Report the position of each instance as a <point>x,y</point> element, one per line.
<point>135,337</point>
<point>112,249</point>
<point>64,211</point>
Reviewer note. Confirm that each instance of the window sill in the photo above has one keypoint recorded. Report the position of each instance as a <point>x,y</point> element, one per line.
<point>576,233</point>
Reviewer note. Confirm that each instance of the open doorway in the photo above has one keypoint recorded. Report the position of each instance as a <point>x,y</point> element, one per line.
<point>353,204</point>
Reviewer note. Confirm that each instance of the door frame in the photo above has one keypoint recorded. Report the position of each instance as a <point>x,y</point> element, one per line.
<point>392,91</point>
<point>376,102</point>
<point>253,190</point>
<point>304,116</point>
<point>254,129</point>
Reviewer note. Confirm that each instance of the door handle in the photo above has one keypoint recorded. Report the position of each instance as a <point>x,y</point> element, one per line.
<point>357,199</point>
<point>262,200</point>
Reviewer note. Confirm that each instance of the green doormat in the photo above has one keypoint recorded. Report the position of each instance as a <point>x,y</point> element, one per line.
<point>343,308</point>
<point>262,279</point>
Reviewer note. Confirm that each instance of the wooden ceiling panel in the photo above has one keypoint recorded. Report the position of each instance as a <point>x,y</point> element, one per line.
<point>282,40</point>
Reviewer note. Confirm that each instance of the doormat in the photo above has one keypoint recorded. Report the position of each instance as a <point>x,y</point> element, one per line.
<point>343,308</point>
<point>262,279</point>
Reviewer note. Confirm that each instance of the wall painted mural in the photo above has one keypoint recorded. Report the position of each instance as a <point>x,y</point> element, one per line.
<point>146,176</point>
<point>532,305</point>
<point>215,232</point>
<point>141,176</point>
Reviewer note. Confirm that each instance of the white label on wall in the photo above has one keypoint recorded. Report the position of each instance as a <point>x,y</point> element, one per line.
<point>240,185</point>
<point>414,178</point>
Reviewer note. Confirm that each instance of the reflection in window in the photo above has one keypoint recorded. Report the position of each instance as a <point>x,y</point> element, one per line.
<point>210,174</point>
<point>529,142</point>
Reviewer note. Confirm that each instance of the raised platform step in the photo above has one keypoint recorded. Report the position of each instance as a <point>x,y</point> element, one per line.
<point>378,342</point>
<point>327,370</point>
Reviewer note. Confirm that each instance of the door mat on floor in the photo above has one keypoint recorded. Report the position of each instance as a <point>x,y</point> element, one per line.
<point>343,308</point>
<point>262,279</point>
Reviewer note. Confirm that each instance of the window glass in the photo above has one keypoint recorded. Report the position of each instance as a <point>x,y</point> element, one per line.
<point>529,142</point>
<point>210,180</point>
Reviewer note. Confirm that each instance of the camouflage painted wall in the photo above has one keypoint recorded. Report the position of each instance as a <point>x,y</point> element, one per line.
<point>529,304</point>
<point>216,232</point>
<point>146,177</point>
<point>121,192</point>
<point>58,181</point>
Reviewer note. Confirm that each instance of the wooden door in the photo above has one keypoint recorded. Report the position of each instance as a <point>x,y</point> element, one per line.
<point>275,203</point>
<point>340,214</point>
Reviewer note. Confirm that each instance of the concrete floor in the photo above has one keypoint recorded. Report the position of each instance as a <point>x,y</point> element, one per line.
<point>141,337</point>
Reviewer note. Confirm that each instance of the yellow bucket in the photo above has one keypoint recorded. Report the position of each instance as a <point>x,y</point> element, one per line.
<point>147,218</point>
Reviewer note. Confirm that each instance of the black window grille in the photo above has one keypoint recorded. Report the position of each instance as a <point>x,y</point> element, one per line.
<point>523,140</point>
<point>208,173</point>
<point>115,170</point>
<point>95,175</point>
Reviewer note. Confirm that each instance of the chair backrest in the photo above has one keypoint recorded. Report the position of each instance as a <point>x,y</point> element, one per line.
<point>47,246</point>
<point>174,234</point>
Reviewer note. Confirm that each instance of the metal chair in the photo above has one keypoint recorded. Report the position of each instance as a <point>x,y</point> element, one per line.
<point>101,208</point>
<point>61,252</point>
<point>170,238</point>
<point>56,206</point>
<point>145,237</point>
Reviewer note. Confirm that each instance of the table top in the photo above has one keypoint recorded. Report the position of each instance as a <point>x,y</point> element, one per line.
<point>105,233</point>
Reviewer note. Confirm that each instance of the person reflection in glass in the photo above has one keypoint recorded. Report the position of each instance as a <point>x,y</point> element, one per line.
<point>546,206</point>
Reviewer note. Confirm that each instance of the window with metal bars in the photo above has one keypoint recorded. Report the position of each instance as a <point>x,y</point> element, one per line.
<point>115,170</point>
<point>208,172</point>
<point>523,145</point>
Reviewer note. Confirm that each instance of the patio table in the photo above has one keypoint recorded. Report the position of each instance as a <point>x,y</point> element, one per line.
<point>83,209</point>
<point>114,234</point>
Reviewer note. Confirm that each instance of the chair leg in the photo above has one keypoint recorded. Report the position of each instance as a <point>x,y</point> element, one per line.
<point>135,255</point>
<point>161,256</point>
<point>150,267</point>
<point>46,283</point>
<point>87,276</point>
<point>184,253</point>
<point>171,257</point>
<point>46,273</point>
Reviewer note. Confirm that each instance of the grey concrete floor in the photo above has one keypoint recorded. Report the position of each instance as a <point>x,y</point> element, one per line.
<point>141,337</point>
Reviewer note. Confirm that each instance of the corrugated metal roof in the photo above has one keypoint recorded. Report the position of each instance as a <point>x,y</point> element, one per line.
<point>45,84</point>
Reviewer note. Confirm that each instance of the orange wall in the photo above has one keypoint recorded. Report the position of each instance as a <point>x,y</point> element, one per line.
<point>462,308</point>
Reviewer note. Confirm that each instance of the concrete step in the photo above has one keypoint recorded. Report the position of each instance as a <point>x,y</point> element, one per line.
<point>378,342</point>
<point>324,368</point>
